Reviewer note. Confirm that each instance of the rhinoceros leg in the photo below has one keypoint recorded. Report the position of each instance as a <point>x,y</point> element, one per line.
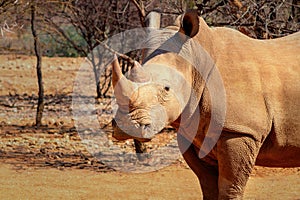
<point>236,157</point>
<point>207,174</point>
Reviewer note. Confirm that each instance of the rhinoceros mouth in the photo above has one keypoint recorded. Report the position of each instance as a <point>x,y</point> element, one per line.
<point>130,130</point>
<point>127,127</point>
<point>143,133</point>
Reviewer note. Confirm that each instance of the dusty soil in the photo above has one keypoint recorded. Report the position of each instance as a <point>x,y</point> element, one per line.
<point>54,162</point>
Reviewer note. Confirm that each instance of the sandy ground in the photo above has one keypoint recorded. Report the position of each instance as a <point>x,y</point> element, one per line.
<point>52,163</point>
<point>173,182</point>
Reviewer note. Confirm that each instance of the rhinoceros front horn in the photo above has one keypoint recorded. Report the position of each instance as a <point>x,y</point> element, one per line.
<point>123,87</point>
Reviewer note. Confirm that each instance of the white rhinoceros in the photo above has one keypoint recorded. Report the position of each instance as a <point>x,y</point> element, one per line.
<point>261,107</point>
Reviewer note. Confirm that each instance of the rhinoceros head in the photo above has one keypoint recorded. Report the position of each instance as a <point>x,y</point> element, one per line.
<point>152,97</point>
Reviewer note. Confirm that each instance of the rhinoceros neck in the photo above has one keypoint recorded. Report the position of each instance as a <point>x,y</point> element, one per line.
<point>193,61</point>
<point>206,38</point>
<point>193,58</point>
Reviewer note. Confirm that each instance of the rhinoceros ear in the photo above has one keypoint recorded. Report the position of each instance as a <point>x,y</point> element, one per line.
<point>190,23</point>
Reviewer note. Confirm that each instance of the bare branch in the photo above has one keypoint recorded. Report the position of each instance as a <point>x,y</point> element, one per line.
<point>125,57</point>
<point>141,9</point>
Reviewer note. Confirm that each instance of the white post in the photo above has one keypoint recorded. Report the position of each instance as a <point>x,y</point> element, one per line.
<point>153,20</point>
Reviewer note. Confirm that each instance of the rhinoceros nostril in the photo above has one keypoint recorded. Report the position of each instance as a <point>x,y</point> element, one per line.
<point>136,124</point>
<point>146,131</point>
<point>145,126</point>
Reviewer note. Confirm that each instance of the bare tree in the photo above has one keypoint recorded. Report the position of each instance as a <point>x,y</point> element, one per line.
<point>37,50</point>
<point>257,19</point>
<point>141,9</point>
<point>7,24</point>
<point>20,12</point>
<point>94,21</point>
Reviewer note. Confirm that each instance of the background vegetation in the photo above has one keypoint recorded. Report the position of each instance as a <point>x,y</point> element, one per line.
<point>73,28</point>
<point>70,28</point>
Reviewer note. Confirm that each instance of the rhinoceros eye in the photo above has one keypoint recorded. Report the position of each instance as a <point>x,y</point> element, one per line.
<point>167,88</point>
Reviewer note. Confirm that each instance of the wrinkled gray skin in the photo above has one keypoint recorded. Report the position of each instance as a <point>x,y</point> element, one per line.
<point>142,116</point>
<point>262,124</point>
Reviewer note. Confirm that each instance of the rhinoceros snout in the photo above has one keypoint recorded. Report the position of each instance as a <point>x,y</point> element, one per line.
<point>128,126</point>
<point>120,135</point>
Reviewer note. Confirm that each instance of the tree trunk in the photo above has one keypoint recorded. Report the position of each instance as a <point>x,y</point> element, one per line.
<point>295,10</point>
<point>96,75</point>
<point>37,50</point>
